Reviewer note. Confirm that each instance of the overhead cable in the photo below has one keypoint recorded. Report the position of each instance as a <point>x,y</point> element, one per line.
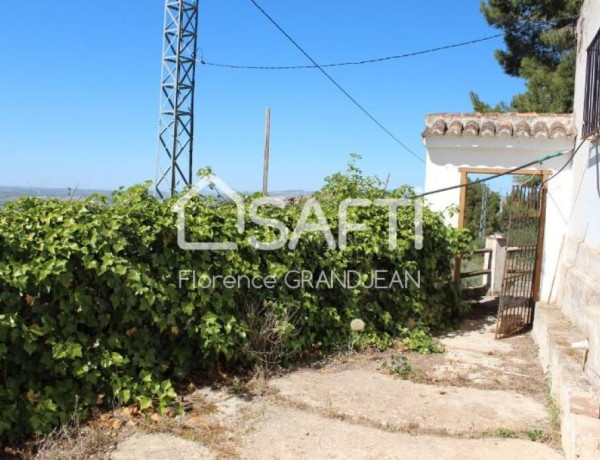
<point>335,83</point>
<point>562,168</point>
<point>493,176</point>
<point>348,63</point>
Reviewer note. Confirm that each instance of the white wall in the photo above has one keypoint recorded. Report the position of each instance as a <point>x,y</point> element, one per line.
<point>571,259</point>
<point>584,223</point>
<point>572,239</point>
<point>446,154</point>
<point>576,289</point>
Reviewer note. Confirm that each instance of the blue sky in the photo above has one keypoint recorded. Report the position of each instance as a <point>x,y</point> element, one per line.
<point>80,88</point>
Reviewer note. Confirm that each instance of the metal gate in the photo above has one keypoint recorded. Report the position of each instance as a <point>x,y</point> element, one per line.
<point>520,282</point>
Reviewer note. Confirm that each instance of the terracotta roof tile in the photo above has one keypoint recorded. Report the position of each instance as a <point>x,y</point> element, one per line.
<point>525,125</point>
<point>558,130</point>
<point>540,129</point>
<point>471,128</point>
<point>455,128</point>
<point>522,129</point>
<point>439,128</point>
<point>488,128</point>
<point>505,128</point>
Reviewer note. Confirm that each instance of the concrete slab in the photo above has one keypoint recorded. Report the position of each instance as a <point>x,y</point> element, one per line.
<point>390,402</point>
<point>286,433</point>
<point>159,447</point>
<point>475,358</point>
<point>351,407</point>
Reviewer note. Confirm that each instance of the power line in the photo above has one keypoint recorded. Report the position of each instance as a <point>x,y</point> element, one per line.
<point>385,58</point>
<point>348,63</point>
<point>337,85</point>
<point>516,168</point>
<point>494,176</point>
<point>562,168</point>
<point>529,179</point>
<point>512,170</point>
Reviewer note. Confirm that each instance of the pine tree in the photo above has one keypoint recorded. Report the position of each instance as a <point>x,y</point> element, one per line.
<point>473,209</point>
<point>540,48</point>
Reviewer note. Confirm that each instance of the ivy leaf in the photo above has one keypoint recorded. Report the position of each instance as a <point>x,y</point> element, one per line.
<point>144,402</point>
<point>125,395</point>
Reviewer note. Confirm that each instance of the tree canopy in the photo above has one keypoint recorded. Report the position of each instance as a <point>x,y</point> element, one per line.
<point>540,47</point>
<point>498,206</point>
<point>473,209</point>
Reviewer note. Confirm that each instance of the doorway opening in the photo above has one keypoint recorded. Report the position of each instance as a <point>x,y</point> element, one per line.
<point>506,218</point>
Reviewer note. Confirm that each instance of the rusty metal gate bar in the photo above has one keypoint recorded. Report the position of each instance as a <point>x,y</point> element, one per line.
<point>517,296</point>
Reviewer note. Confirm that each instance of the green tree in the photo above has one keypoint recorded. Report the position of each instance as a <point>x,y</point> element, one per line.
<point>540,48</point>
<point>511,203</point>
<point>473,209</point>
<point>526,179</point>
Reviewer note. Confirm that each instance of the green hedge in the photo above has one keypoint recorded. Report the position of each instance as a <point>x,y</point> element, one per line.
<point>91,311</point>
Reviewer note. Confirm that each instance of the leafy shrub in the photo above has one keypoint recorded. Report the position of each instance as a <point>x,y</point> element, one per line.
<point>92,313</point>
<point>505,433</point>
<point>399,366</point>
<point>420,340</point>
<point>535,435</point>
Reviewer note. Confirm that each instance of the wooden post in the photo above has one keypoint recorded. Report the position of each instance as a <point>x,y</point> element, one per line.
<point>461,219</point>
<point>387,181</point>
<point>267,146</point>
<point>537,271</point>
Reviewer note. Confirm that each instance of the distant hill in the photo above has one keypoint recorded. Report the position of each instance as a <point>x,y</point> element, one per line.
<point>290,193</point>
<point>12,193</point>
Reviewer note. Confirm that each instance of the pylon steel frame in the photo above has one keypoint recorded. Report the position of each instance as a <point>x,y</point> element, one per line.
<point>483,215</point>
<point>176,121</point>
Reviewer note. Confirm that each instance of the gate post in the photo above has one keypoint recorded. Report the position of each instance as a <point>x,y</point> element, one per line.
<point>497,243</point>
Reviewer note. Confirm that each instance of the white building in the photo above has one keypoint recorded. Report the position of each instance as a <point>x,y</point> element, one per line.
<point>569,308</point>
<point>578,288</point>
<point>458,144</point>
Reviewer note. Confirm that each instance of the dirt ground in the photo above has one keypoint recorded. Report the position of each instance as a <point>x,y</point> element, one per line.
<point>481,399</point>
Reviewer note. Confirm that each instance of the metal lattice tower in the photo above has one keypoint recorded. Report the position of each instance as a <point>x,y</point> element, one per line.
<point>176,121</point>
<point>483,215</point>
